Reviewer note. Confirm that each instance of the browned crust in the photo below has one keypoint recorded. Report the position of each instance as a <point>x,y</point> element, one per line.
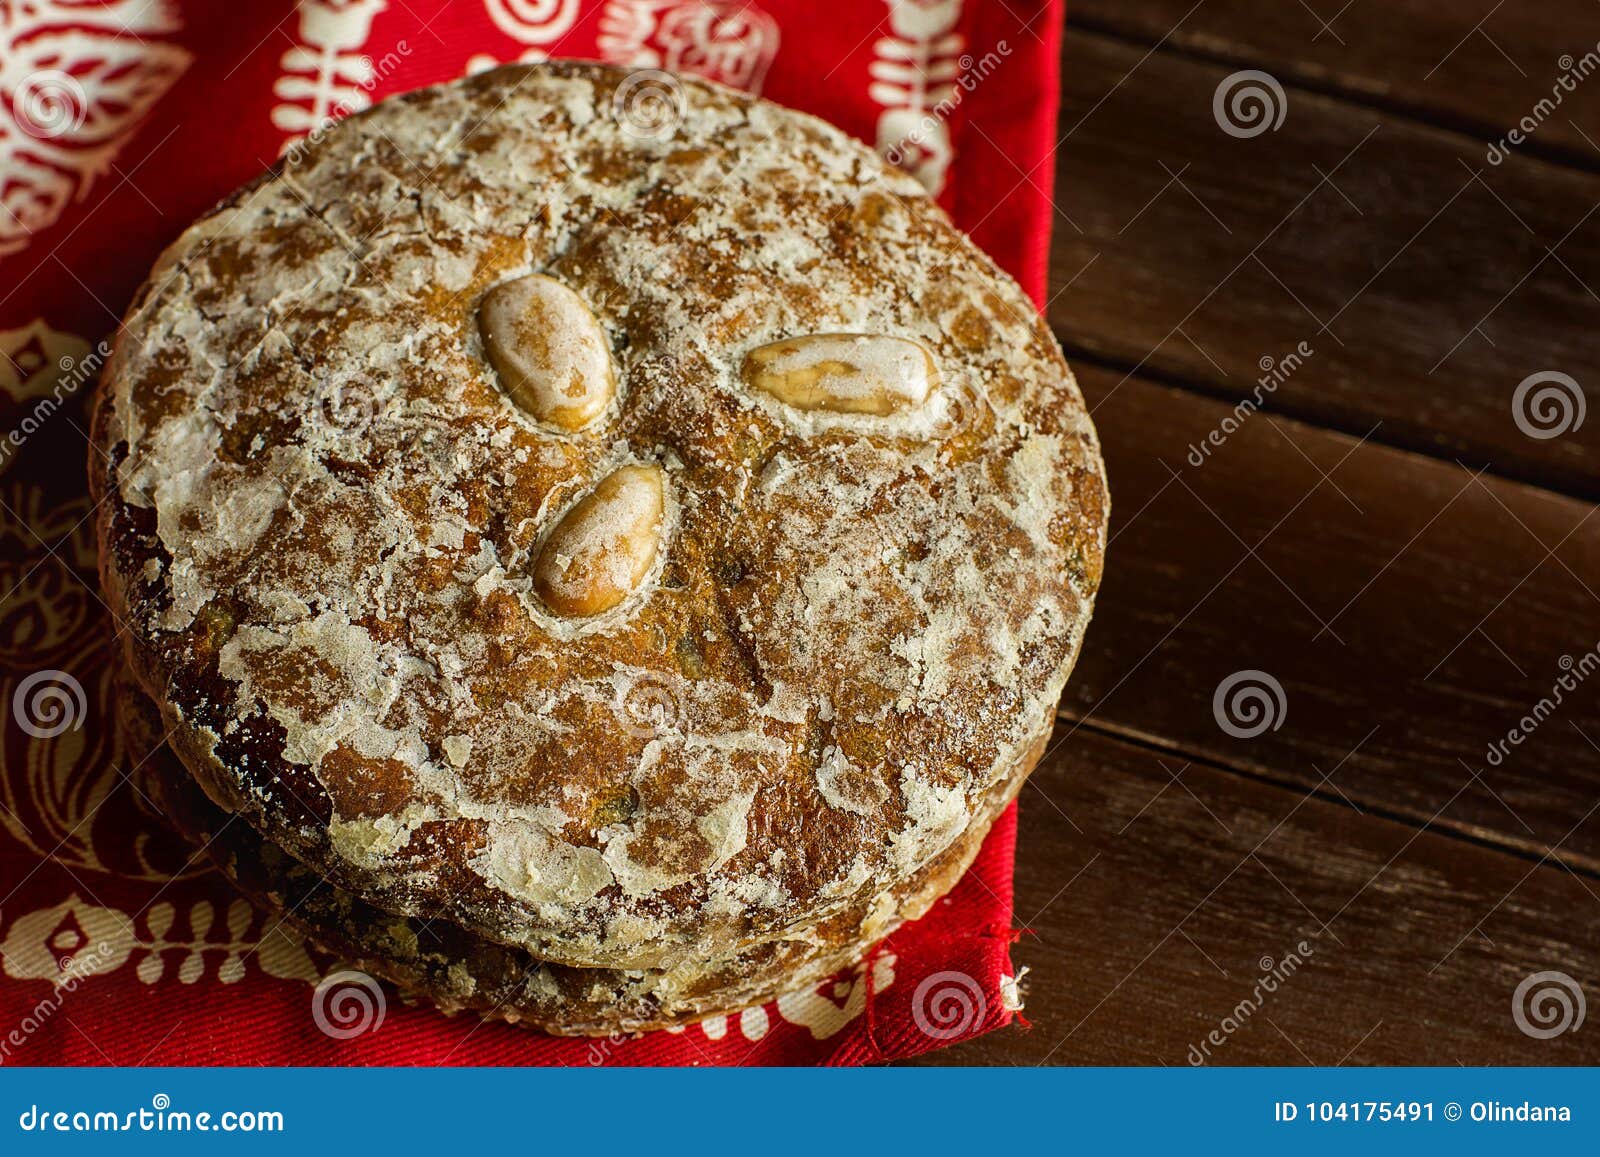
<point>975,737</point>
<point>457,971</point>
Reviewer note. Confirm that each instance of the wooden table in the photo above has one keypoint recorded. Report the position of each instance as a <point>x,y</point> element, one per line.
<point>1394,539</point>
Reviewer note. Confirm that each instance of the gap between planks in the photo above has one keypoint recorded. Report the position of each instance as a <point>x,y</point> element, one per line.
<point>1288,403</point>
<point>1531,851</point>
<point>1292,76</point>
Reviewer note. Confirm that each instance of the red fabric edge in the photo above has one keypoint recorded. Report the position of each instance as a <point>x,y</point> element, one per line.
<point>1015,108</point>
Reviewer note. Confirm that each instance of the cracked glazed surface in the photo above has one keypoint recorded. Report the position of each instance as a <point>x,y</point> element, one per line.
<point>324,514</point>
<point>456,971</point>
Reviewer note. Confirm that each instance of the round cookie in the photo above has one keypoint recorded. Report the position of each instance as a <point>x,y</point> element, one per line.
<point>455,970</point>
<point>639,549</point>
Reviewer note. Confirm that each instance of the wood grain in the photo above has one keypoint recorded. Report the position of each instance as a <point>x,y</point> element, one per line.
<point>1426,284</point>
<point>1157,896</point>
<point>1413,613</point>
<point>1475,65</point>
<point>1414,610</point>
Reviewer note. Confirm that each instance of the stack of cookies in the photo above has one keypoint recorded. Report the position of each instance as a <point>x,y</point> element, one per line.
<point>596,569</point>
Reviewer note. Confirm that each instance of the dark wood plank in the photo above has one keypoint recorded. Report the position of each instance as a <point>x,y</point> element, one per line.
<point>1412,612</point>
<point>1426,285</point>
<point>1476,65</point>
<point>1157,899</point>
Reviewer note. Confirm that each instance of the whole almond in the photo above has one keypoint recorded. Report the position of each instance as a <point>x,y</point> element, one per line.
<point>600,551</point>
<point>848,373</point>
<point>549,351</point>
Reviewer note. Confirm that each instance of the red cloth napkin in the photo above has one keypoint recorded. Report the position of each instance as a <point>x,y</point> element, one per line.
<point>120,121</point>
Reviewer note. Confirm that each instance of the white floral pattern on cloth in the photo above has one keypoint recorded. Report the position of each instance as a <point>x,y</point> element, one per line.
<point>49,614</point>
<point>325,76</point>
<point>915,70</point>
<point>68,791</point>
<point>33,360</point>
<point>75,81</point>
<point>74,797</point>
<point>59,798</point>
<point>535,23</point>
<point>82,939</point>
<point>728,41</point>
<point>31,356</point>
<point>824,1010</point>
